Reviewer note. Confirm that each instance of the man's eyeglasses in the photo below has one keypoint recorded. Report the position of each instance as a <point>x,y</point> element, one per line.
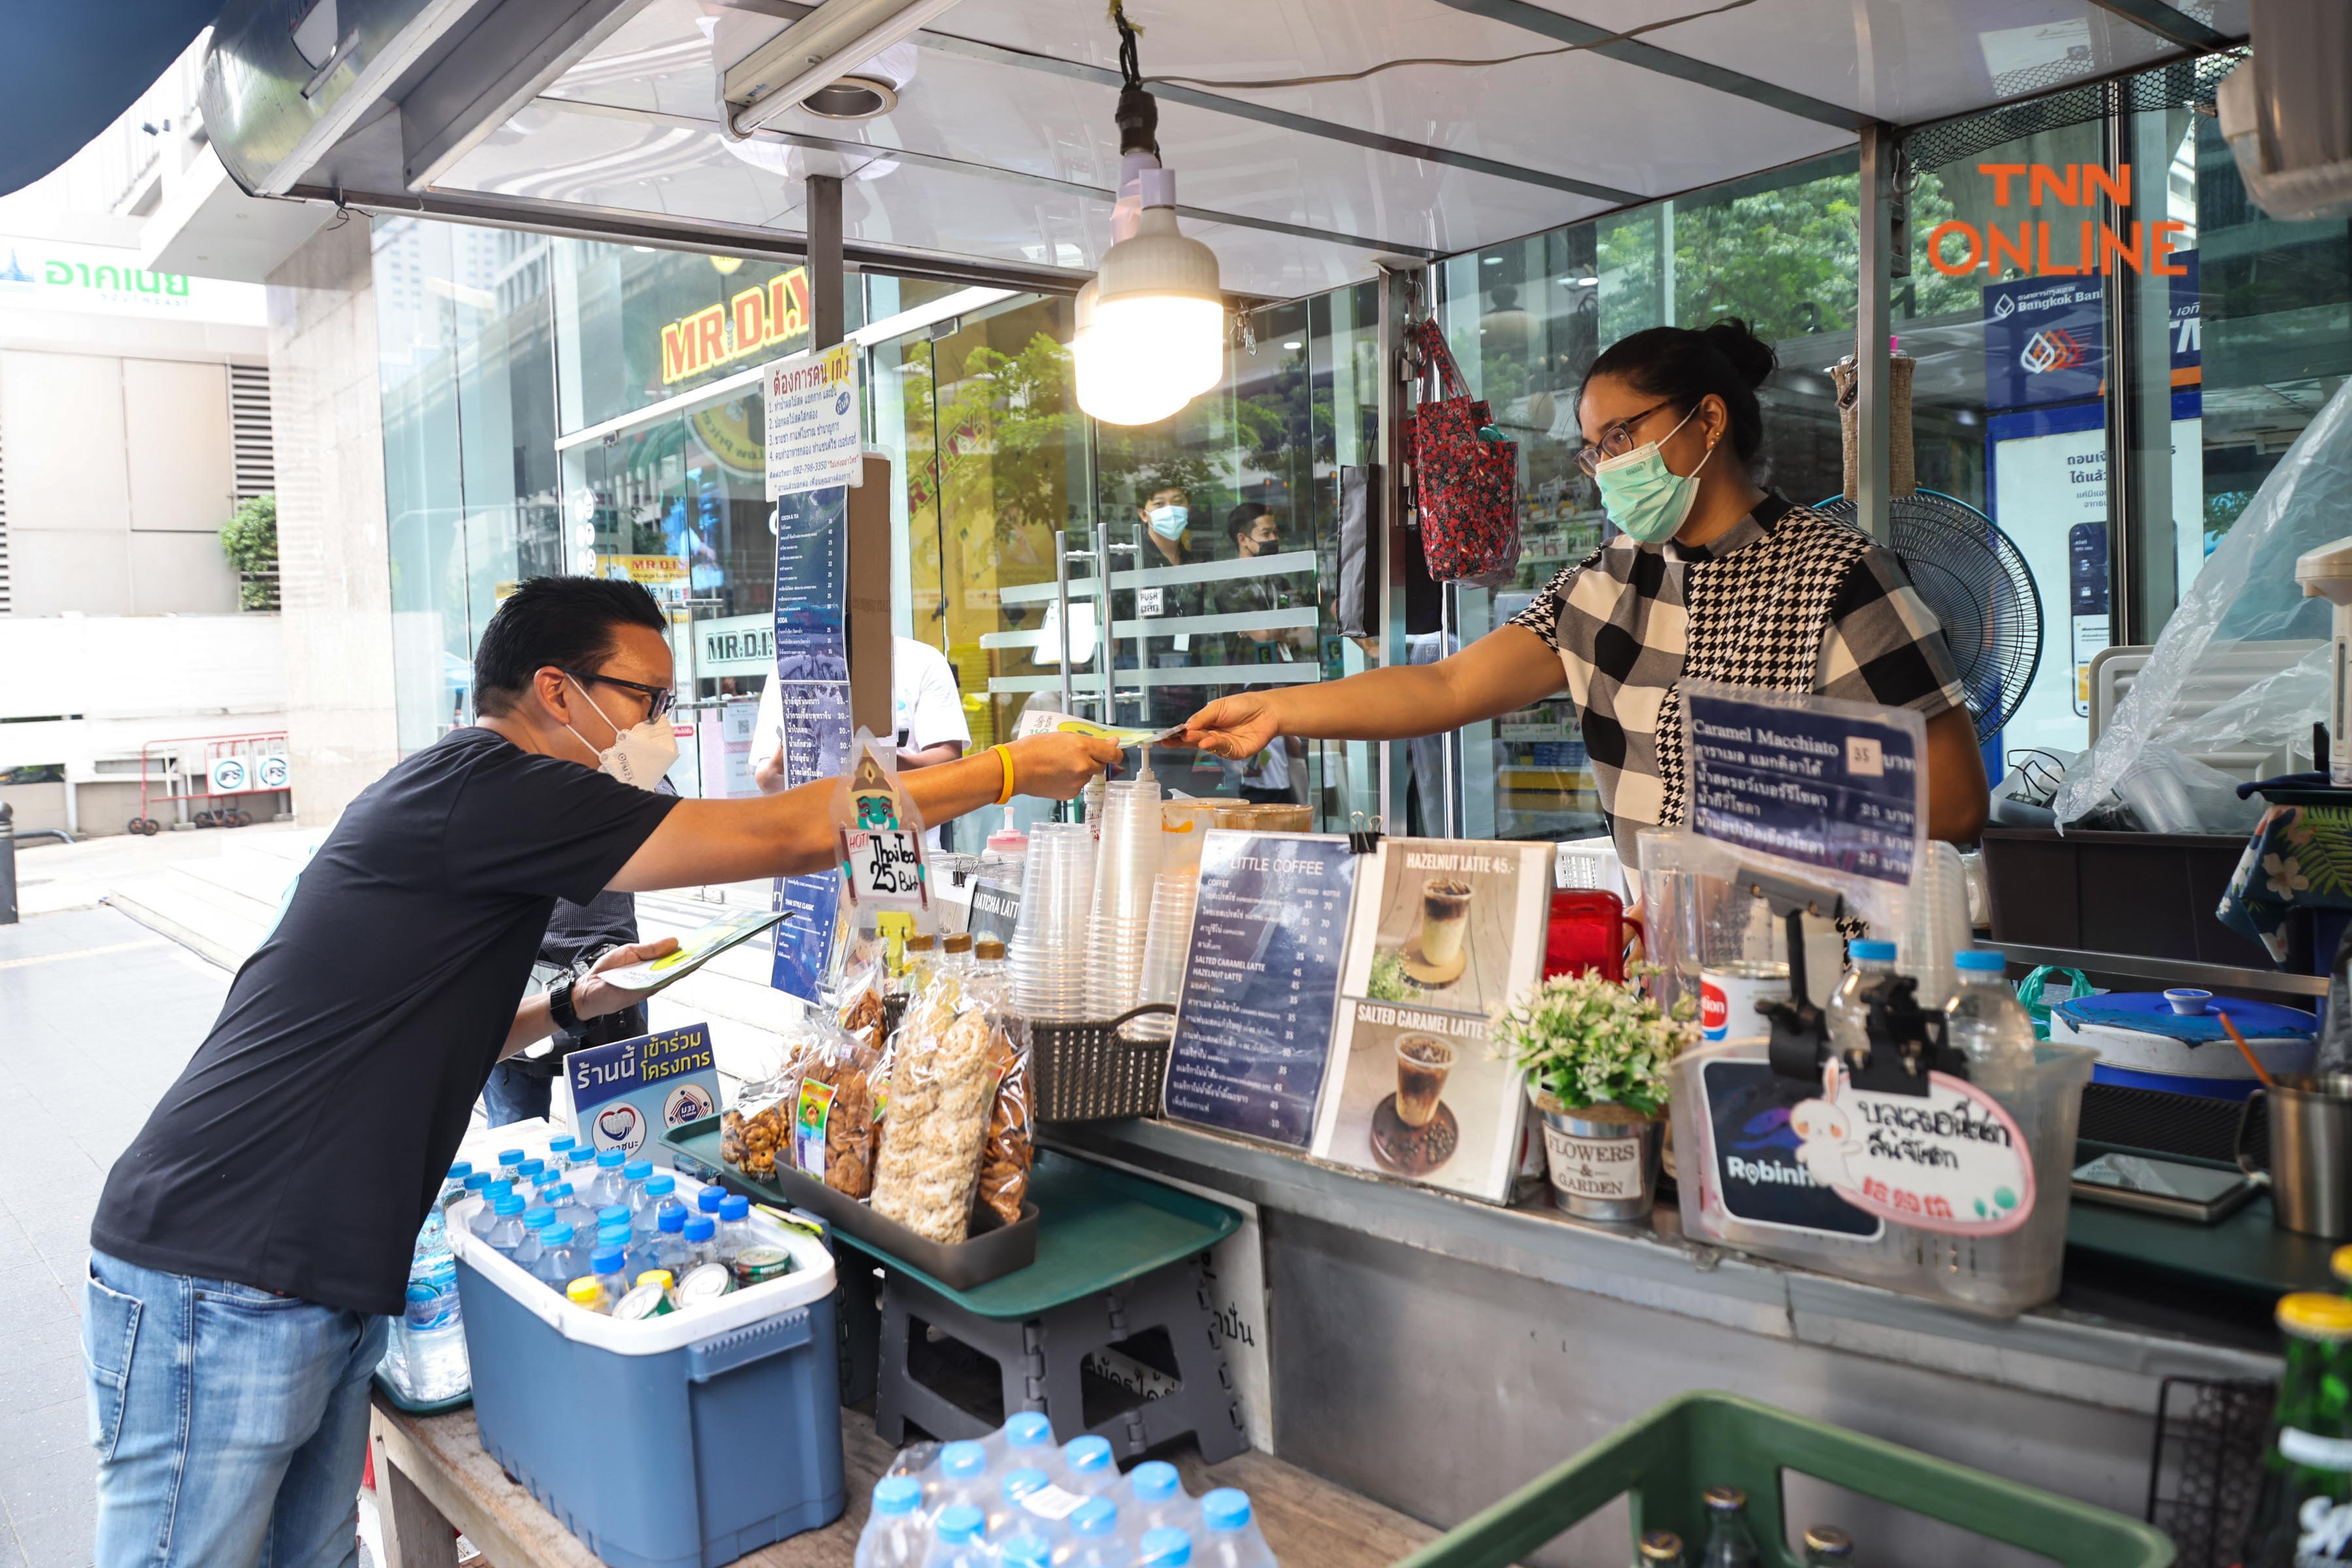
<point>1617,439</point>
<point>660,699</point>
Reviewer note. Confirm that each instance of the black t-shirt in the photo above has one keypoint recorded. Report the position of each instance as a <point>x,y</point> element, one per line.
<point>303,1143</point>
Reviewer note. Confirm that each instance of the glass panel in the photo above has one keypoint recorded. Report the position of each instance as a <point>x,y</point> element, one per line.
<point>1525,321</point>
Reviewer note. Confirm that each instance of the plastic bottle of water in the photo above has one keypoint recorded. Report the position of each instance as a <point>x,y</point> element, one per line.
<point>605,1186</point>
<point>505,1231</point>
<point>960,1539</point>
<point>1156,1494</point>
<point>476,1184</point>
<point>1025,1551</point>
<point>1087,1467</point>
<point>894,1534</point>
<point>529,1175</point>
<point>570,1209</point>
<point>578,1166</point>
<point>735,1231</point>
<point>1006,1516</point>
<point>1166,1547</point>
<point>700,1247</point>
<point>1094,1538</point>
<point>534,1220</point>
<point>433,1338</point>
<point>1229,1536</point>
<point>509,1161</point>
<point>1985,1019</point>
<point>667,1247</point>
<point>634,1174</point>
<point>608,1266</point>
<point>963,1476</point>
<point>560,1261</point>
<point>487,1215</point>
<point>562,1144</point>
<point>645,1202</point>
<point>1849,1017</point>
<point>708,1199</point>
<point>455,1187</point>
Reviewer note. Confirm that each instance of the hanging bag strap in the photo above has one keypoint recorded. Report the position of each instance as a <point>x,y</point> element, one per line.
<point>1437,359</point>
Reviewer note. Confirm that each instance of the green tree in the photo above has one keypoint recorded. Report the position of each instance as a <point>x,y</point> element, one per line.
<point>1011,422</point>
<point>250,539</point>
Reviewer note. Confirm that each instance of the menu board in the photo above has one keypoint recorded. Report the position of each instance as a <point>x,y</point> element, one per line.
<point>1835,786</point>
<point>813,690</point>
<point>1261,979</point>
<point>1446,932</point>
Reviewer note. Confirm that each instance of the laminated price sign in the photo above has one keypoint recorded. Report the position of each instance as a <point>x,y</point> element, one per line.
<point>881,836</point>
<point>1820,785</point>
<point>1951,1160</point>
<point>625,1095</point>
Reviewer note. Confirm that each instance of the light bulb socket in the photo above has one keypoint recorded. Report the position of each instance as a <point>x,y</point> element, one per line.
<point>1138,119</point>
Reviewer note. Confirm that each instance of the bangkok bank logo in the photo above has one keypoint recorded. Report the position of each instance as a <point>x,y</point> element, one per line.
<point>2052,348</point>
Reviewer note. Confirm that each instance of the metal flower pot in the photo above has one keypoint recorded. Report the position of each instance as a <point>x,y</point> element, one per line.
<point>1602,1160</point>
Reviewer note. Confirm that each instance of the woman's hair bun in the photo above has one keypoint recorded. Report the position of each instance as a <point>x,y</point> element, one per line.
<point>1751,356</point>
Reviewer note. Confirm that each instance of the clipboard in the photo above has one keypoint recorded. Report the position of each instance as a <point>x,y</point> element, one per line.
<point>695,948</point>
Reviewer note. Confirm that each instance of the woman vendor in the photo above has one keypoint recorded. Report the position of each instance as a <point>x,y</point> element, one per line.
<point>1710,577</point>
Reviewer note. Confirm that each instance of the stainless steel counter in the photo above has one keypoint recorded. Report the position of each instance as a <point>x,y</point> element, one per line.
<point>1433,1351</point>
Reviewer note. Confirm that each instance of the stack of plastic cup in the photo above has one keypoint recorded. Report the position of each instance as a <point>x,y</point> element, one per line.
<point>1126,870</point>
<point>1050,944</point>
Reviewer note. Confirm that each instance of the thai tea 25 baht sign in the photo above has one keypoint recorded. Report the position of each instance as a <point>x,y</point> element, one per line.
<point>815,434</point>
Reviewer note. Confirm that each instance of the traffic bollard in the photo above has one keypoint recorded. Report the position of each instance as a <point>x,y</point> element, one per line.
<point>7,864</point>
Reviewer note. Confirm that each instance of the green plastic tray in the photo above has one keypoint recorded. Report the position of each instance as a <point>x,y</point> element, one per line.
<point>1693,1441</point>
<point>1097,1228</point>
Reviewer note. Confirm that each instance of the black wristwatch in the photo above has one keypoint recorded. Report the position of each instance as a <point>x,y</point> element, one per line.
<point>559,1004</point>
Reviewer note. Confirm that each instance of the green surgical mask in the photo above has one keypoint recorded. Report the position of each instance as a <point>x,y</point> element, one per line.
<point>1647,499</point>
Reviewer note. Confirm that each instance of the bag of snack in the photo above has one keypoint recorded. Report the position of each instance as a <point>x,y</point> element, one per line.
<point>752,1134</point>
<point>1005,1157</point>
<point>942,1084</point>
<point>833,1120</point>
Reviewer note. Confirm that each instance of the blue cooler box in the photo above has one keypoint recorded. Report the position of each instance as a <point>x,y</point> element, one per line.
<point>683,1441</point>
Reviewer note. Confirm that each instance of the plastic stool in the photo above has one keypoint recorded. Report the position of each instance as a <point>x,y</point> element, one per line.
<point>1039,1359</point>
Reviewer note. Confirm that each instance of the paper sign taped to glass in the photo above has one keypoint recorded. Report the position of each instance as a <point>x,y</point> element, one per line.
<point>1813,789</point>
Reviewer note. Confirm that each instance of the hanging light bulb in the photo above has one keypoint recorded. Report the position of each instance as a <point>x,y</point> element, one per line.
<point>1151,323</point>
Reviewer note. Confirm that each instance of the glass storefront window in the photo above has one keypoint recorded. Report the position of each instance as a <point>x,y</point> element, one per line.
<point>1526,320</point>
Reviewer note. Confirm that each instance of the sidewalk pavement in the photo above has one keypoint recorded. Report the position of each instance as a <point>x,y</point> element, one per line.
<point>101,1014</point>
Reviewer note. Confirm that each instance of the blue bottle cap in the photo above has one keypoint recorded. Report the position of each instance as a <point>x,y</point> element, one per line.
<point>1867,951</point>
<point>1096,1516</point>
<point>477,1181</point>
<point>962,1461</point>
<point>898,1495</point>
<point>1020,1483</point>
<point>579,1156</point>
<point>612,1235</point>
<point>531,1168</point>
<point>1028,1430</point>
<point>461,1169</point>
<point>1976,960</point>
<point>612,1159</point>
<point>533,1219</point>
<point>671,1220</point>
<point>737,1207</point>
<point>1164,1548</point>
<point>1026,1551</point>
<point>509,1156</point>
<point>1227,1507</point>
<point>556,1234</point>
<point>700,1227</point>
<point>1089,1455</point>
<point>959,1524</point>
<point>638,1170</point>
<point>708,1199</point>
<point>561,1141</point>
<point>509,1204</point>
<point>560,1193</point>
<point>612,1212</point>
<point>661,1186</point>
<point>1155,1481</point>
<point>607,1261</point>
<point>498,1186</point>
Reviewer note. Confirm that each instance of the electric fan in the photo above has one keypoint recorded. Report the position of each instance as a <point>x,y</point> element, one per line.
<point>1975,580</point>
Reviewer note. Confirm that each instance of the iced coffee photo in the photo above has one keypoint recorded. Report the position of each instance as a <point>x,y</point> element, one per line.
<point>1421,1063</point>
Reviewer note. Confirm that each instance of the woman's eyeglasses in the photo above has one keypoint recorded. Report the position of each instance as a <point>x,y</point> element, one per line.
<point>660,699</point>
<point>1617,439</point>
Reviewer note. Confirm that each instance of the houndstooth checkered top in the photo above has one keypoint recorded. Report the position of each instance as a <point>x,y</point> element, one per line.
<point>1788,599</point>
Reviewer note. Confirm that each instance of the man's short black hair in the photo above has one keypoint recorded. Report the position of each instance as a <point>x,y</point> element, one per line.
<point>568,622</point>
<point>1244,518</point>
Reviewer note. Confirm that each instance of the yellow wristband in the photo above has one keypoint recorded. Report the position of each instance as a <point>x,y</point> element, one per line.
<point>1004,755</point>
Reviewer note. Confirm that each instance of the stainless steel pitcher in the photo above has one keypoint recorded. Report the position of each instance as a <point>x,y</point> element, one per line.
<point>2311,1151</point>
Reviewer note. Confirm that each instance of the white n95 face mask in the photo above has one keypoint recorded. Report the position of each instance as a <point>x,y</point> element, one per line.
<point>638,756</point>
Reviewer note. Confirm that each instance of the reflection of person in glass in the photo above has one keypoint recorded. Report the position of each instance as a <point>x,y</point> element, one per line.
<point>1709,576</point>
<point>1255,532</point>
<point>1165,512</point>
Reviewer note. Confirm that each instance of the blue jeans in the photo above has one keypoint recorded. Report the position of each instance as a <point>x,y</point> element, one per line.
<point>512,1095</point>
<point>231,1425</point>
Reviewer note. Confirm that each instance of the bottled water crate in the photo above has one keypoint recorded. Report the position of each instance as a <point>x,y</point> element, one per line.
<point>681,1441</point>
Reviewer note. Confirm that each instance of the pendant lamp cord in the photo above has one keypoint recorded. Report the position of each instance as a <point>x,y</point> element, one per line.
<point>1138,115</point>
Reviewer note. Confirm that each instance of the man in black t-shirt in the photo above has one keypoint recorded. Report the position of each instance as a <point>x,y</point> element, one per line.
<point>260,1228</point>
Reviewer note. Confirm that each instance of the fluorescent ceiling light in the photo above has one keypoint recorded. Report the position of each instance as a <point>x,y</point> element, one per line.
<point>829,43</point>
